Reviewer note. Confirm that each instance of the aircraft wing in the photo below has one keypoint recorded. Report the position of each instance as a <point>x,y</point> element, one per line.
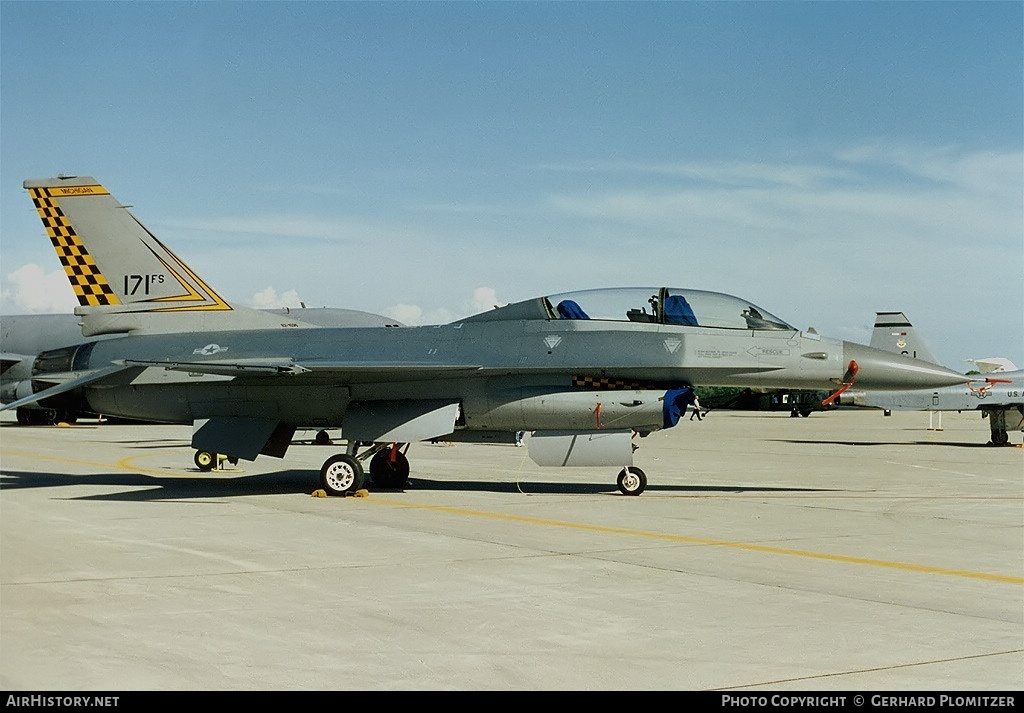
<point>288,367</point>
<point>397,370</point>
<point>261,367</point>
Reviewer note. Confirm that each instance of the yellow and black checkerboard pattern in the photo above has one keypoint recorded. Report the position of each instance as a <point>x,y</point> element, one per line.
<point>86,279</point>
<point>601,382</point>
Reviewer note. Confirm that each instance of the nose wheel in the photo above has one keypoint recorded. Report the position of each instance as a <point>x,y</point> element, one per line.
<point>632,480</point>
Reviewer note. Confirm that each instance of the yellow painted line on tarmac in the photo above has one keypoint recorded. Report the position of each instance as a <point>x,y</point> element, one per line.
<point>123,464</point>
<point>744,546</point>
<point>126,464</point>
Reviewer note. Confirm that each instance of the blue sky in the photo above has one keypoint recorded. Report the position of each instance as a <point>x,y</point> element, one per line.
<point>825,160</point>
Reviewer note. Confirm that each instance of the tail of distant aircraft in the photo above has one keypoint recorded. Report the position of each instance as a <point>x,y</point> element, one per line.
<point>123,276</point>
<point>894,333</point>
<point>992,364</point>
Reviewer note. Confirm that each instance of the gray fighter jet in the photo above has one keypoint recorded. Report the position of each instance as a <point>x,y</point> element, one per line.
<point>584,373</point>
<point>997,394</point>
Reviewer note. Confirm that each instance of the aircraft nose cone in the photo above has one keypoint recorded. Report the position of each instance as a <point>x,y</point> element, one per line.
<point>878,369</point>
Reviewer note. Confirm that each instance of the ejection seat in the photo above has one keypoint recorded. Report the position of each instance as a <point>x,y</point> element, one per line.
<point>678,311</point>
<point>568,309</point>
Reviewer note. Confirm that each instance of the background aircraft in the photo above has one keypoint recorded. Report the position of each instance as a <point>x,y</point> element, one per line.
<point>22,339</point>
<point>797,402</point>
<point>585,373</point>
<point>998,395</point>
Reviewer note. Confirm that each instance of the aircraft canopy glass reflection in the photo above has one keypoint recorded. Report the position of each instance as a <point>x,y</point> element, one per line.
<point>657,305</point>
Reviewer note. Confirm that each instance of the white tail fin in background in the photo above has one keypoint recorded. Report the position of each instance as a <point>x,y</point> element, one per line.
<point>992,365</point>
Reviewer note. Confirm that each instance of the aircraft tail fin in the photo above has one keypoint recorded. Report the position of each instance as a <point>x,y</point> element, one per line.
<point>992,364</point>
<point>125,279</point>
<point>893,332</point>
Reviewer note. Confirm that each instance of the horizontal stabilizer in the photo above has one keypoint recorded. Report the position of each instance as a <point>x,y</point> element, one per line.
<point>8,360</point>
<point>69,385</point>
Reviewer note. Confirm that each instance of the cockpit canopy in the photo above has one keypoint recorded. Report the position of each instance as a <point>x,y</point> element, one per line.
<point>665,305</point>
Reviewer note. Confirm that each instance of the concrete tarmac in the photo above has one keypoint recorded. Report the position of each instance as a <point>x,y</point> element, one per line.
<point>847,551</point>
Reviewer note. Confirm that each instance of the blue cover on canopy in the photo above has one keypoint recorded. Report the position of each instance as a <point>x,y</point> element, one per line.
<point>568,309</point>
<point>678,311</point>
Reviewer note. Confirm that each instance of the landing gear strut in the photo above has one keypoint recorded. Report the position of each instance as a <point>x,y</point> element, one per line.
<point>997,422</point>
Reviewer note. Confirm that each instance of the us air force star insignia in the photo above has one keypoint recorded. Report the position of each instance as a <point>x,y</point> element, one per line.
<point>553,341</point>
<point>672,344</point>
<point>210,349</point>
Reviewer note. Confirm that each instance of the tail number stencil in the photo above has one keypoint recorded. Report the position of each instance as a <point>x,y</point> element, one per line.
<point>141,284</point>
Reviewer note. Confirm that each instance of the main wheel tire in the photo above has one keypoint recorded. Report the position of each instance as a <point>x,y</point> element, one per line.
<point>36,416</point>
<point>632,480</point>
<point>205,460</point>
<point>341,475</point>
<point>387,472</point>
<point>1000,437</point>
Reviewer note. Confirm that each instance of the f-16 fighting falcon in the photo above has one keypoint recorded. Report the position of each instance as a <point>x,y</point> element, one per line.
<point>586,374</point>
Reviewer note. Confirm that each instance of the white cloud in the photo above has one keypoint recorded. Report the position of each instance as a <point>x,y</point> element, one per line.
<point>483,299</point>
<point>407,314</point>
<point>31,290</point>
<point>267,298</point>
<point>414,315</point>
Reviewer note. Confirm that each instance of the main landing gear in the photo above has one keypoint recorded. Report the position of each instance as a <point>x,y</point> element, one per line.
<point>343,474</point>
<point>44,416</point>
<point>997,423</point>
<point>1000,436</point>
